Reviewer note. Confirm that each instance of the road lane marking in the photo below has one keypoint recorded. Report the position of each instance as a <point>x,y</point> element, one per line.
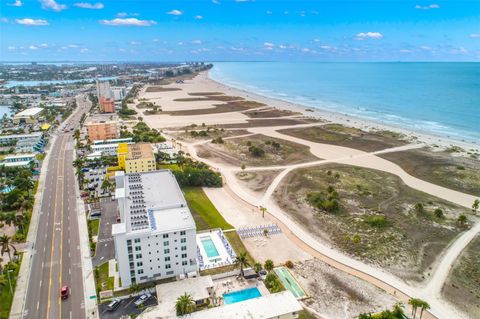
<point>53,245</point>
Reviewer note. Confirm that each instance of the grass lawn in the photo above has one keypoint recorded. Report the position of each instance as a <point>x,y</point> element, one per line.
<point>6,297</point>
<point>172,167</point>
<point>205,214</point>
<point>305,315</point>
<point>93,226</point>
<point>102,281</point>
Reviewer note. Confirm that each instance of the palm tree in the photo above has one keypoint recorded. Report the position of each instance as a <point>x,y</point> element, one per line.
<point>19,221</point>
<point>424,306</point>
<point>263,210</point>
<point>475,205</point>
<point>8,218</point>
<point>106,184</point>
<point>415,303</point>
<point>242,261</point>
<point>184,305</point>
<point>257,267</point>
<point>6,243</point>
<point>268,265</point>
<point>398,311</point>
<point>462,220</point>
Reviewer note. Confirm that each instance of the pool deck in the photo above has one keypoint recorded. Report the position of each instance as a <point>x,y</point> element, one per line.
<point>223,259</point>
<point>232,284</point>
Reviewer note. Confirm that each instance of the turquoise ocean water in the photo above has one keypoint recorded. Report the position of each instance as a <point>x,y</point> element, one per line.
<point>437,98</point>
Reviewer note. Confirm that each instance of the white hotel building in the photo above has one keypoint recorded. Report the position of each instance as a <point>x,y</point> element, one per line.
<point>156,236</point>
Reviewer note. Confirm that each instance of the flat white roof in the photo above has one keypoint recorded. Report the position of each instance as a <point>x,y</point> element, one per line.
<point>30,112</point>
<point>10,157</point>
<point>22,136</point>
<point>265,307</point>
<point>164,205</point>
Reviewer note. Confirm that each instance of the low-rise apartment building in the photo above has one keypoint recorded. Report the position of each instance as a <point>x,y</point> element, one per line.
<point>109,147</point>
<point>21,160</point>
<point>156,236</point>
<point>136,158</point>
<point>102,130</point>
<point>28,116</point>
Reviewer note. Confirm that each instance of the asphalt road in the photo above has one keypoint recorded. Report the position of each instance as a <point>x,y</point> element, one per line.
<point>57,258</point>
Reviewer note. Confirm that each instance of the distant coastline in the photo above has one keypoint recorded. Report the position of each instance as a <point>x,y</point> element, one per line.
<point>432,131</point>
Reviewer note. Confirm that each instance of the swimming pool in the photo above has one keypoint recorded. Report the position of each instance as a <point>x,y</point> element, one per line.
<point>289,282</point>
<point>241,295</point>
<point>209,247</point>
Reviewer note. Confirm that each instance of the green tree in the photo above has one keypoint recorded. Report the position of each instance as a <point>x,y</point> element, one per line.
<point>424,306</point>
<point>6,243</point>
<point>263,210</point>
<point>106,185</point>
<point>257,267</point>
<point>414,303</point>
<point>268,265</point>
<point>475,205</point>
<point>184,305</point>
<point>462,220</point>
<point>242,262</point>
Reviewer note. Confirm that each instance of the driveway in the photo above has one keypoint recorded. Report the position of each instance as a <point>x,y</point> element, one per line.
<point>105,246</point>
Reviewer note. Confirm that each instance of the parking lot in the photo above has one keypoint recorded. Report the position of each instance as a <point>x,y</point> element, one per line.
<point>105,246</point>
<point>94,178</point>
<point>127,307</point>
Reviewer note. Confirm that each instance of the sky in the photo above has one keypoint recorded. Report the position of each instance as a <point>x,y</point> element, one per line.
<point>239,30</point>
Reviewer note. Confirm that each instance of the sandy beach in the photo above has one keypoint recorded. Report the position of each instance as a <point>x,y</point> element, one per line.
<point>212,110</point>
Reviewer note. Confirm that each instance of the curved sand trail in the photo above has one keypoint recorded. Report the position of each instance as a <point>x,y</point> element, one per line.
<point>344,155</point>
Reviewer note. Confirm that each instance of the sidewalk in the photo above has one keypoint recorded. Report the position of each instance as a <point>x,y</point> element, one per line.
<point>89,290</point>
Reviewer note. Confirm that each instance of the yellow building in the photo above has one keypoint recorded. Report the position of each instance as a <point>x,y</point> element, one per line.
<point>136,158</point>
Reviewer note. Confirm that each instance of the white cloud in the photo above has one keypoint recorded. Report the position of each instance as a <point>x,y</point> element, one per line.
<point>268,44</point>
<point>197,41</point>
<point>316,40</point>
<point>33,47</point>
<point>215,1</point>
<point>122,14</point>
<point>425,48</point>
<point>16,3</point>
<point>369,35</point>
<point>460,50</point>
<point>406,51</point>
<point>4,20</point>
<point>305,50</point>
<point>87,5</point>
<point>31,22</point>
<point>44,45</point>
<point>128,22</point>
<point>134,43</point>
<point>175,12</point>
<point>11,48</point>
<point>198,17</point>
<point>53,5</point>
<point>84,50</point>
<point>269,12</point>
<point>73,46</point>
<point>282,46</point>
<point>427,7</point>
<point>475,35</point>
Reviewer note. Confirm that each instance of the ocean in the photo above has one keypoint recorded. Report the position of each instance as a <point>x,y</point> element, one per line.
<point>437,98</point>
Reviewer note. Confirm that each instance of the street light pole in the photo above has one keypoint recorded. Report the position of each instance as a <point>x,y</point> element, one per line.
<point>9,282</point>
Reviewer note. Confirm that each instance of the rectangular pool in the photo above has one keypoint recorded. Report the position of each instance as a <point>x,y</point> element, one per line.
<point>241,295</point>
<point>289,282</point>
<point>209,247</point>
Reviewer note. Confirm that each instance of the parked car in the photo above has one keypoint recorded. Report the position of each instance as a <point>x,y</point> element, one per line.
<point>64,292</point>
<point>114,304</point>
<point>141,300</point>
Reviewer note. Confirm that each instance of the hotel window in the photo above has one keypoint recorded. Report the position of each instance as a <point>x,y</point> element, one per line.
<point>138,256</point>
<point>140,271</point>
<point>165,235</point>
<point>139,264</point>
<point>166,243</point>
<point>168,266</point>
<point>137,240</point>
<point>138,248</point>
<point>166,251</point>
<point>184,255</point>
<point>183,232</point>
<point>184,263</point>
<point>184,248</point>
<point>167,258</point>
<point>183,240</point>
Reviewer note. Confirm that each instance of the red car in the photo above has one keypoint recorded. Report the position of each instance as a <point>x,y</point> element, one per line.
<point>64,292</point>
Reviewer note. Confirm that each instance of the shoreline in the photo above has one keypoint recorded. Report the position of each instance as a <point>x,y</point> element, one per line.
<point>420,136</point>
